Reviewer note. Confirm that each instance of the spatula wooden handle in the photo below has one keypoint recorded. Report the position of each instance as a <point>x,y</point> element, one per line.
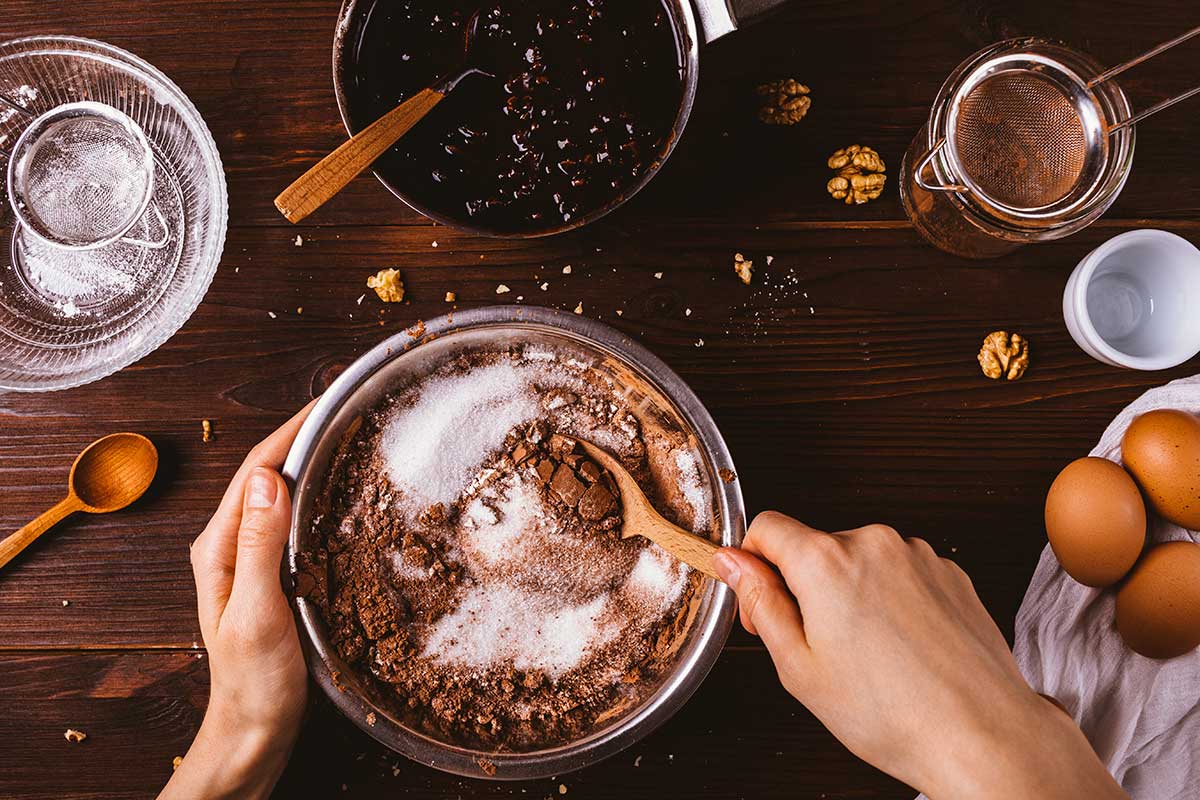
<point>16,542</point>
<point>689,548</point>
<point>331,174</point>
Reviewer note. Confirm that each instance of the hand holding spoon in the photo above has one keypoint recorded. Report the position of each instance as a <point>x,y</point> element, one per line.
<point>107,476</point>
<point>331,174</point>
<point>641,519</point>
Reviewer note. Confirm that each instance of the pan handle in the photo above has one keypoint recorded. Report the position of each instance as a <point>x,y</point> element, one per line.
<point>719,17</point>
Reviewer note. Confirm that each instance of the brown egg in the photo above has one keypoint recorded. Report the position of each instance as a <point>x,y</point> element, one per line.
<point>1162,450</point>
<point>1096,521</point>
<point>1158,608</point>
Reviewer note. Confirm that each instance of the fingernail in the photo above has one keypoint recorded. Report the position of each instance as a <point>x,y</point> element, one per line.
<point>727,567</point>
<point>260,492</point>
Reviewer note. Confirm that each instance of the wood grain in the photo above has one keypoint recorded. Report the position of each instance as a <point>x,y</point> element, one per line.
<point>140,710</point>
<point>844,379</point>
<point>12,545</point>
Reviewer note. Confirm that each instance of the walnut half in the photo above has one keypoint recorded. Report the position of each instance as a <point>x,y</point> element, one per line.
<point>859,177</point>
<point>783,102</point>
<point>1003,356</point>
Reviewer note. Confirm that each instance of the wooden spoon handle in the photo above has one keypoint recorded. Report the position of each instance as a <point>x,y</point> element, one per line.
<point>331,174</point>
<point>689,548</point>
<point>16,542</point>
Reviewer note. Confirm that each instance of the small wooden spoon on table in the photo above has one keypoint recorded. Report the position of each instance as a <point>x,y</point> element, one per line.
<point>331,174</point>
<point>107,476</point>
<point>641,519</point>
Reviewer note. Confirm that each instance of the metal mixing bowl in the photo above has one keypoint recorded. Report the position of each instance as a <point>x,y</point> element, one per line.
<point>649,386</point>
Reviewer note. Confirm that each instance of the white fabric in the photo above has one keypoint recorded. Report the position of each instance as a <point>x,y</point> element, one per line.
<point>1142,716</point>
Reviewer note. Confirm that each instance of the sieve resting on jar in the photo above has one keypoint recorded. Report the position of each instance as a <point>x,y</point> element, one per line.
<point>1021,147</point>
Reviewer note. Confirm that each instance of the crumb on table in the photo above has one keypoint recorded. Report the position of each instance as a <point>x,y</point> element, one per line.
<point>388,285</point>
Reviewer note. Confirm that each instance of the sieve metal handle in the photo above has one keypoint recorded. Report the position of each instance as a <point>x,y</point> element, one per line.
<point>925,161</point>
<point>15,106</point>
<point>1109,74</point>
<point>156,244</point>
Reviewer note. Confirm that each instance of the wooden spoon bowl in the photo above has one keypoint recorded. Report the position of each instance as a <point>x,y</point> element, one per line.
<point>642,519</point>
<point>113,472</point>
<point>108,475</point>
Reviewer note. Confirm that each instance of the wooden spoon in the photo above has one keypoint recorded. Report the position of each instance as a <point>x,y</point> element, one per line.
<point>641,519</point>
<point>107,476</point>
<point>332,173</point>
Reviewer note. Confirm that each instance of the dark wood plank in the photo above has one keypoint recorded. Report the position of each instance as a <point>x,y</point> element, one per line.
<point>141,709</point>
<point>138,709</point>
<point>845,384</point>
<point>260,73</point>
<point>870,408</point>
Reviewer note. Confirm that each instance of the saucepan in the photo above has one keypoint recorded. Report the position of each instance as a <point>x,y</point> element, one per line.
<point>695,22</point>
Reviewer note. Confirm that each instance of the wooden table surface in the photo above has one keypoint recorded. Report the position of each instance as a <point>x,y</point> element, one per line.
<point>844,380</point>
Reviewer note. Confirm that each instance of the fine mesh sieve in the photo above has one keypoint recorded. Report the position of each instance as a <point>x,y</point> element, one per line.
<point>1020,139</point>
<point>81,175</point>
<point>1026,136</point>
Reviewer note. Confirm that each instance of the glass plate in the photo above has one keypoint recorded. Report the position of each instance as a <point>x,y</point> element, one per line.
<point>68,317</point>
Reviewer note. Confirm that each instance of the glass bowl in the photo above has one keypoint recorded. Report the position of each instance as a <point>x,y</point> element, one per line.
<point>650,387</point>
<point>68,315</point>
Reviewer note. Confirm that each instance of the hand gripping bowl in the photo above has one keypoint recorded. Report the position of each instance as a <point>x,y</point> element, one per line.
<point>649,386</point>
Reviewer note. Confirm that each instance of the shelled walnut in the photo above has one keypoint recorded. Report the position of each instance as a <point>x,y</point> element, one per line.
<point>784,102</point>
<point>1003,356</point>
<point>743,268</point>
<point>859,177</point>
<point>864,159</point>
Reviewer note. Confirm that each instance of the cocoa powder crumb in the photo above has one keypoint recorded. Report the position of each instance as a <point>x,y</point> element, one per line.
<point>568,487</point>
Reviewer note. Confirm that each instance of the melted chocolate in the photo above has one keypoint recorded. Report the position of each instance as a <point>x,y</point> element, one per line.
<point>582,104</point>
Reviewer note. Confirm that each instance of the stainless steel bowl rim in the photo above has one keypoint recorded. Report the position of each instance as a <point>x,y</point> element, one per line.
<point>687,675</point>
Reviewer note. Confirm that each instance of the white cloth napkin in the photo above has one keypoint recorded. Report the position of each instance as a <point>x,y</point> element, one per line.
<point>1142,716</point>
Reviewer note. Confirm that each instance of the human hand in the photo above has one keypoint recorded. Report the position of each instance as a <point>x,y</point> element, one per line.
<point>258,677</point>
<point>890,647</point>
